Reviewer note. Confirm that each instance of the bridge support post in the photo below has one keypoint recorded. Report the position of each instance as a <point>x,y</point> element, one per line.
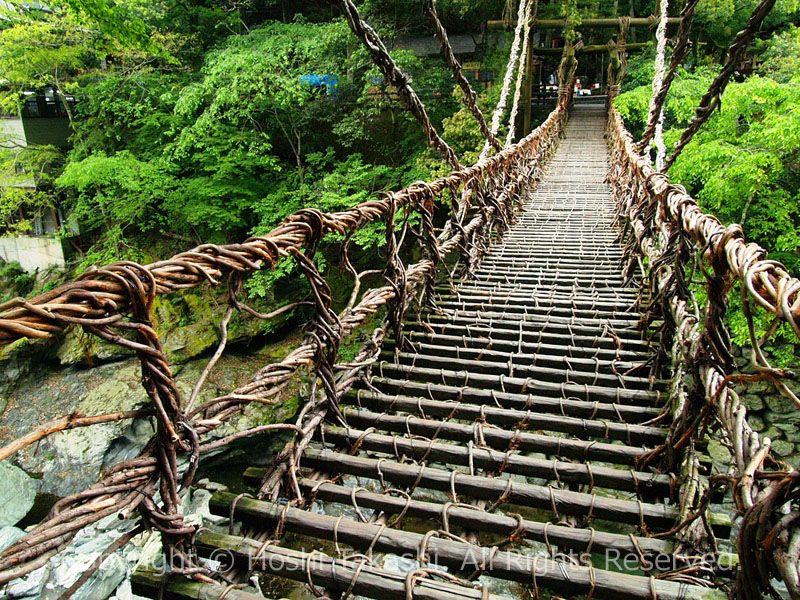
<point>528,92</point>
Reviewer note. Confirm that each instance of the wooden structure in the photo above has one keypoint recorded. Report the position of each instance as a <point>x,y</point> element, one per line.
<point>515,414</point>
<point>535,405</point>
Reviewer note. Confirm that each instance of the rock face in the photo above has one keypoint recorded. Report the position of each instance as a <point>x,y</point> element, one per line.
<point>769,413</point>
<point>112,578</point>
<point>39,391</point>
<point>71,460</point>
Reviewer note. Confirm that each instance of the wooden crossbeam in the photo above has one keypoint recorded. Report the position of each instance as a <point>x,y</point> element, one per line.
<point>584,24</point>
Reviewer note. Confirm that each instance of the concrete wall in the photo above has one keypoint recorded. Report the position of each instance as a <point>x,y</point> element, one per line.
<point>430,46</point>
<point>32,252</point>
<point>12,133</point>
<point>11,129</point>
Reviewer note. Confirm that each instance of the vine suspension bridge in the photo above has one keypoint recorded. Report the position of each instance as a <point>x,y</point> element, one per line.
<point>534,407</point>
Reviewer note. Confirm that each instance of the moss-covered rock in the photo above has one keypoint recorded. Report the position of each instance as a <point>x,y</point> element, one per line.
<point>790,430</point>
<point>779,403</point>
<point>753,402</point>
<point>79,455</point>
<point>756,422</point>
<point>16,360</point>
<point>719,453</point>
<point>79,347</point>
<point>184,343</point>
<point>783,448</point>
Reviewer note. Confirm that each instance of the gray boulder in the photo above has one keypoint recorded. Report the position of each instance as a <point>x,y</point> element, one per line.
<point>17,493</point>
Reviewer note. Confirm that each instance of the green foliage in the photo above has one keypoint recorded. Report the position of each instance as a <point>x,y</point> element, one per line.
<point>781,56</point>
<point>330,185</point>
<point>20,201</point>
<point>742,165</point>
<point>132,111</point>
<point>684,95</point>
<point>462,133</point>
<point>779,346</point>
<point>718,21</point>
<point>117,20</point>
<point>572,17</point>
<point>14,281</point>
<point>110,245</point>
<point>640,69</point>
<point>238,147</point>
<point>256,73</point>
<point>117,190</point>
<point>46,49</point>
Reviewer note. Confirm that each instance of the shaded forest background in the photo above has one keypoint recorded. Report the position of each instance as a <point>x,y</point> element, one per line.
<point>193,121</point>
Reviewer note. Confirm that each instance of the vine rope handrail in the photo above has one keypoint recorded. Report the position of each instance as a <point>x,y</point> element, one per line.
<point>666,225</point>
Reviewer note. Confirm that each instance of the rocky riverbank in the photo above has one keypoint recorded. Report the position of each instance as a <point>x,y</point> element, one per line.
<point>40,382</point>
<point>770,413</point>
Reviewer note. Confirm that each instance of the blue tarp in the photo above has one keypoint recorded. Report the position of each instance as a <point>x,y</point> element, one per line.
<point>329,81</point>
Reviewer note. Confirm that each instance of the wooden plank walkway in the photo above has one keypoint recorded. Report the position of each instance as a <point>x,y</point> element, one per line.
<point>505,441</point>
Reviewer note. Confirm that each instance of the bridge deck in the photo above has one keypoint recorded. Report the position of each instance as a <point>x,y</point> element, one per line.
<point>514,426</point>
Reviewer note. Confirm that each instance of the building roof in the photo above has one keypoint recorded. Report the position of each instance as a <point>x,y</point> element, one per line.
<point>462,43</point>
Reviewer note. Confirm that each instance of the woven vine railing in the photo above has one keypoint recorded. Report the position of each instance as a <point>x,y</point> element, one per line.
<point>669,237</point>
<point>115,302</point>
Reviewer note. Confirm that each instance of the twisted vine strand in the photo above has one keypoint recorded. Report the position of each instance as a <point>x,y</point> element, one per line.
<point>469,97</point>
<point>678,54</point>
<point>521,66</point>
<point>765,489</point>
<point>509,76</point>
<point>711,98</point>
<point>657,111</point>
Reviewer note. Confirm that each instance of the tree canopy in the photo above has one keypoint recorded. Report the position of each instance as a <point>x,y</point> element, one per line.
<point>211,121</point>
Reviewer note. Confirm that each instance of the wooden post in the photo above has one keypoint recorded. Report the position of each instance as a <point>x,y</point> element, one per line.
<point>602,68</point>
<point>527,92</point>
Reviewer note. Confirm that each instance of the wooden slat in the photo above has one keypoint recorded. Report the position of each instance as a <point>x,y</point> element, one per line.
<point>462,556</point>
<point>509,368</point>
<point>592,339</point>
<point>461,349</point>
<point>335,574</point>
<point>564,406</point>
<point>509,418</point>
<point>644,484</point>
<point>656,516</point>
<point>154,584</point>
<point>498,439</point>
<point>519,385</point>
<point>573,538</point>
<point>544,350</point>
